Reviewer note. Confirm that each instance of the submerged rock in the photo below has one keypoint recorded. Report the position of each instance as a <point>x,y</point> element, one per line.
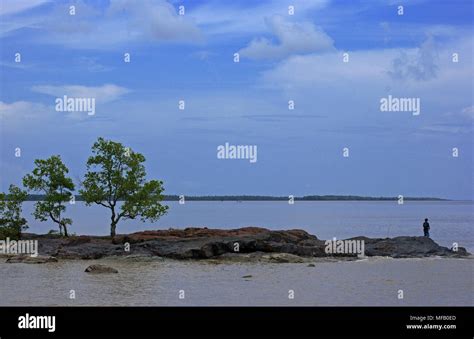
<point>283,258</point>
<point>142,258</point>
<point>26,259</point>
<point>100,269</point>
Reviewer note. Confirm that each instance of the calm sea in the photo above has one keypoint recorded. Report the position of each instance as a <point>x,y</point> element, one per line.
<point>450,221</point>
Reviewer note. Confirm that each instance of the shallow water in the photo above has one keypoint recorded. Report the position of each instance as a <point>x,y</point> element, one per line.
<point>373,281</point>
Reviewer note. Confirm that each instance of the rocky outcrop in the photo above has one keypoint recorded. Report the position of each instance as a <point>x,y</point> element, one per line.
<point>408,247</point>
<point>243,243</point>
<point>97,269</point>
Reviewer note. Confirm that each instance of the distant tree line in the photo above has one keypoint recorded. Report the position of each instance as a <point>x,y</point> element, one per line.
<point>37,197</point>
<point>114,173</point>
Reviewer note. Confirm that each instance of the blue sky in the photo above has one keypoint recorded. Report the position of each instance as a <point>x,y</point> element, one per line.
<point>282,57</point>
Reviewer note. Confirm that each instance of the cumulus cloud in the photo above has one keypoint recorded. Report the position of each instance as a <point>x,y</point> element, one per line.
<point>375,68</point>
<point>420,65</point>
<point>351,92</point>
<point>102,94</point>
<point>292,38</point>
<point>307,72</point>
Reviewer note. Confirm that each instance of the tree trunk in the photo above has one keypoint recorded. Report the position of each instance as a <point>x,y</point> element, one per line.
<point>65,231</point>
<point>113,226</point>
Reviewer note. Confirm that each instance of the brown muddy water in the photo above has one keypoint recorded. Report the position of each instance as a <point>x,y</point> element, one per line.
<point>373,281</point>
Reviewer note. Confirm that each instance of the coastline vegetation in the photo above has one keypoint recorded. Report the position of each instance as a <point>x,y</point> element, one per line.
<point>36,197</point>
<point>114,173</point>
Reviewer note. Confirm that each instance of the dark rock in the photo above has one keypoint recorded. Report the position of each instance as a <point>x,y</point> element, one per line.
<point>100,269</point>
<point>405,247</point>
<point>283,258</point>
<point>75,241</point>
<point>31,260</point>
<point>202,243</point>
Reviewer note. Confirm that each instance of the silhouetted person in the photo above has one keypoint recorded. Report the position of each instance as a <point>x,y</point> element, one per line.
<point>426,228</point>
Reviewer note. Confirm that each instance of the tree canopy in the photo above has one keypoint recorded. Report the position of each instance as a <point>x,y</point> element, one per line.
<point>50,178</point>
<point>11,222</point>
<point>116,173</point>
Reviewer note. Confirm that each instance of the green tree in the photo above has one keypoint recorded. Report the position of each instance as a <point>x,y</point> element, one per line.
<point>116,173</point>
<point>50,178</point>
<point>11,222</point>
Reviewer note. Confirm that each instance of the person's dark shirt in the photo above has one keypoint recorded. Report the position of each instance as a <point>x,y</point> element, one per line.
<point>426,225</point>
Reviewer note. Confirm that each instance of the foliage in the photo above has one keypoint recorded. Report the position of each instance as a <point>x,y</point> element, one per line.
<point>11,222</point>
<point>50,178</point>
<point>116,173</point>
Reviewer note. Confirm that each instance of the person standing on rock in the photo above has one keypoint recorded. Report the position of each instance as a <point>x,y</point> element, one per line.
<point>426,228</point>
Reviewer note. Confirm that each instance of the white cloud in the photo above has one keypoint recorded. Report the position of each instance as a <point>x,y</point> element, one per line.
<point>350,92</point>
<point>293,38</point>
<point>102,94</point>
<point>468,112</point>
<point>203,55</point>
<point>121,22</point>
<point>9,7</point>
<point>420,65</point>
<point>154,19</point>
<point>91,64</point>
<point>234,18</point>
<point>21,109</point>
<point>320,70</point>
<point>375,68</point>
<point>23,115</point>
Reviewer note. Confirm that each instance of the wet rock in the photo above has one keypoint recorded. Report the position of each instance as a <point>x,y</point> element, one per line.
<point>141,258</point>
<point>243,244</point>
<point>407,247</point>
<point>31,260</point>
<point>283,258</point>
<point>89,250</point>
<point>96,269</point>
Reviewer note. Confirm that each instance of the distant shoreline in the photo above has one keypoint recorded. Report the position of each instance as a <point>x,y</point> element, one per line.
<point>36,197</point>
